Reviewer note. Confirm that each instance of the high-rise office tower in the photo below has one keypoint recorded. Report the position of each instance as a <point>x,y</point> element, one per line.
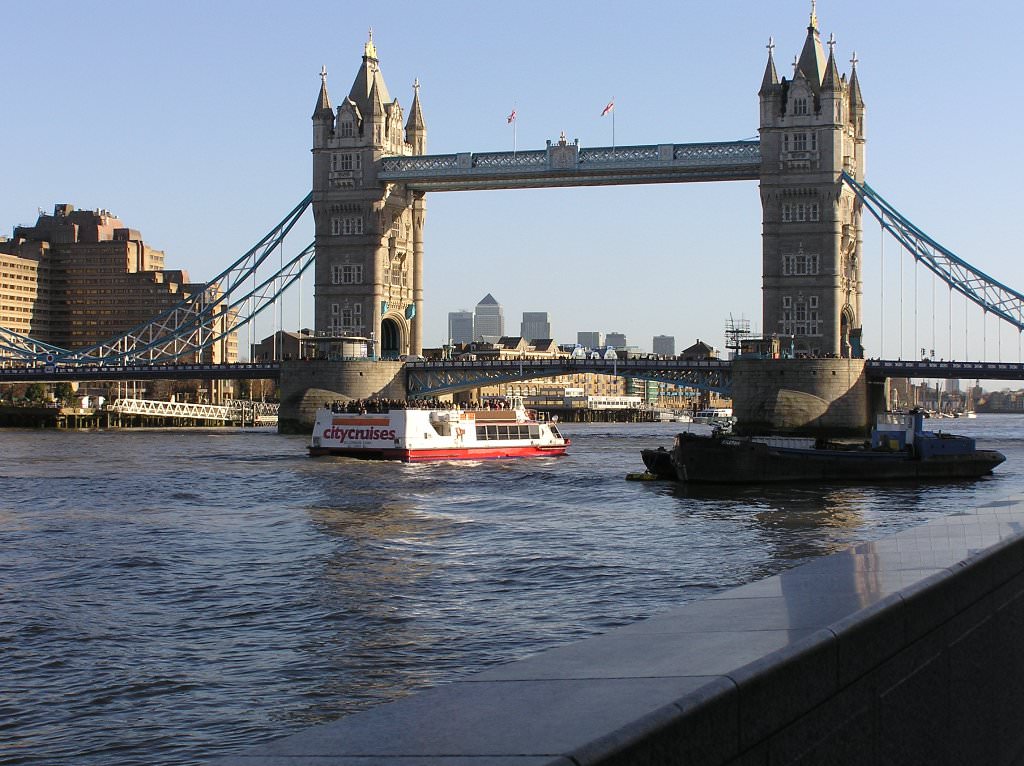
<point>488,319</point>
<point>664,345</point>
<point>615,340</point>
<point>535,325</point>
<point>460,326</point>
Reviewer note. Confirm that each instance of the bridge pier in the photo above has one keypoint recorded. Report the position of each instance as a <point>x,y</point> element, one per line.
<point>801,396</point>
<point>307,385</point>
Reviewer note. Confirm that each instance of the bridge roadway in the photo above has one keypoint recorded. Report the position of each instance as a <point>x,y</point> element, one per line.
<point>430,378</point>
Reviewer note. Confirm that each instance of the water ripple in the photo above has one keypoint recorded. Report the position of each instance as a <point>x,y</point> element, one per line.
<point>170,596</point>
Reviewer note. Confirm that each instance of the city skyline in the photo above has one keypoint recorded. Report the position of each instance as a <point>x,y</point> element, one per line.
<point>223,114</point>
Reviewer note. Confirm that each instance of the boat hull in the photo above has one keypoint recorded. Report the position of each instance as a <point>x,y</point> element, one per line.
<point>709,460</point>
<point>433,455</point>
<point>659,463</point>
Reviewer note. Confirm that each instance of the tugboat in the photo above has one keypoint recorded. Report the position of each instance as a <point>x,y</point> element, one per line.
<point>899,449</point>
<point>417,435</point>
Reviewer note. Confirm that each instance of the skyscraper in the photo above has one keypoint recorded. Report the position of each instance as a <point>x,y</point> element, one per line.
<point>616,340</point>
<point>590,339</point>
<point>460,326</point>
<point>664,345</point>
<point>535,325</point>
<point>488,319</point>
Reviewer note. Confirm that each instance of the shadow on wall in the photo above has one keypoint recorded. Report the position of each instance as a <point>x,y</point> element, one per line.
<point>801,396</point>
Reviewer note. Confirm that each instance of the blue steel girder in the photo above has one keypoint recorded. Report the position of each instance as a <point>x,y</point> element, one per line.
<point>13,345</point>
<point>564,164</point>
<point>431,378</point>
<point>978,287</point>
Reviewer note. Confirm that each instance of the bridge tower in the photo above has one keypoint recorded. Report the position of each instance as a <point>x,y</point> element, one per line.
<point>811,129</point>
<point>369,236</point>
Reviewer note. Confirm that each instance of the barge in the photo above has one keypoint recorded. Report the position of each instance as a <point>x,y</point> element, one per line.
<point>899,449</point>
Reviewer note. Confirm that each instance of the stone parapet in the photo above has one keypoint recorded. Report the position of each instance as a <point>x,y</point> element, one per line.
<point>307,385</point>
<point>800,396</point>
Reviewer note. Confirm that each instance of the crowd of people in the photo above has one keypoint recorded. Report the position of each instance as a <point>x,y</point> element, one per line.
<point>362,406</point>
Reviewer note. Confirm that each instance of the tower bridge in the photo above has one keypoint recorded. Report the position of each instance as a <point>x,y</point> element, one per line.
<point>371,175</point>
<point>370,180</point>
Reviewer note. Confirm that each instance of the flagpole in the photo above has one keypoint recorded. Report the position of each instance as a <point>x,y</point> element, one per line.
<point>613,131</point>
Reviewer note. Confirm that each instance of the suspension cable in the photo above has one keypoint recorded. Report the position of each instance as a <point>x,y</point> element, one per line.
<point>915,306</point>
<point>899,262</point>
<point>933,314</point>
<point>881,290</point>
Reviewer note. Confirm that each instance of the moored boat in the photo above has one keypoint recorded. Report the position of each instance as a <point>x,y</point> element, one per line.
<point>713,416</point>
<point>418,435</point>
<point>899,449</point>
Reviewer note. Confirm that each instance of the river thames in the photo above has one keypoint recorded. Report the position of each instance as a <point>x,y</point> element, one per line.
<point>170,596</point>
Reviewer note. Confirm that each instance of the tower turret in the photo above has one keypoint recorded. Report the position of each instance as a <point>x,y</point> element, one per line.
<point>856,102</point>
<point>323,115</point>
<point>416,128</point>
<point>812,57</point>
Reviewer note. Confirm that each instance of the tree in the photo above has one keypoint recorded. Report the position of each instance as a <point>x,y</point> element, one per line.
<point>63,391</point>
<point>36,392</point>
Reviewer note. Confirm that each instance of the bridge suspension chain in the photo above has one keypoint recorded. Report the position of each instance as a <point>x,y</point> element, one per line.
<point>204,318</point>
<point>992,296</point>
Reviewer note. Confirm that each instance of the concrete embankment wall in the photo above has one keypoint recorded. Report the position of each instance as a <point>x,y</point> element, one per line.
<point>905,650</point>
<point>307,385</point>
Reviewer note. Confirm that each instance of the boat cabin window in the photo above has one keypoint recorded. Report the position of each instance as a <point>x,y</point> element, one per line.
<point>506,432</point>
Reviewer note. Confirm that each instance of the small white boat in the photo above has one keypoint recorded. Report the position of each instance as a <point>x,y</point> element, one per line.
<point>714,416</point>
<point>417,435</point>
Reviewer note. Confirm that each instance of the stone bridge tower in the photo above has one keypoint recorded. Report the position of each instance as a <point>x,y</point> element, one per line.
<point>369,236</point>
<point>812,128</point>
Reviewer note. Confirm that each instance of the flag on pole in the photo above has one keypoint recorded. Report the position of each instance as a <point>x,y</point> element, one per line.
<point>512,117</point>
<point>610,107</point>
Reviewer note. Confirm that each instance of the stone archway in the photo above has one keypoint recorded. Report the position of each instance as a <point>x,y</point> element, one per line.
<point>845,330</point>
<point>390,338</point>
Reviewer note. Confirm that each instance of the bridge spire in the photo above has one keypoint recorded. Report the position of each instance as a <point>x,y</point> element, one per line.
<point>367,77</point>
<point>771,77</point>
<point>856,100</point>
<point>415,127</point>
<point>323,108</point>
<point>812,57</point>
<point>832,79</point>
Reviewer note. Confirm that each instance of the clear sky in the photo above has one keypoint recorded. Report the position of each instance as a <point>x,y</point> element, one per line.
<point>191,122</point>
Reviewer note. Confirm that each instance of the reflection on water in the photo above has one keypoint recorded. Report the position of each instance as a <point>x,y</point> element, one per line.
<point>168,596</point>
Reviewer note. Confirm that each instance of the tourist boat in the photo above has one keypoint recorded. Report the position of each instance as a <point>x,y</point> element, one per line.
<point>418,435</point>
<point>899,449</point>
